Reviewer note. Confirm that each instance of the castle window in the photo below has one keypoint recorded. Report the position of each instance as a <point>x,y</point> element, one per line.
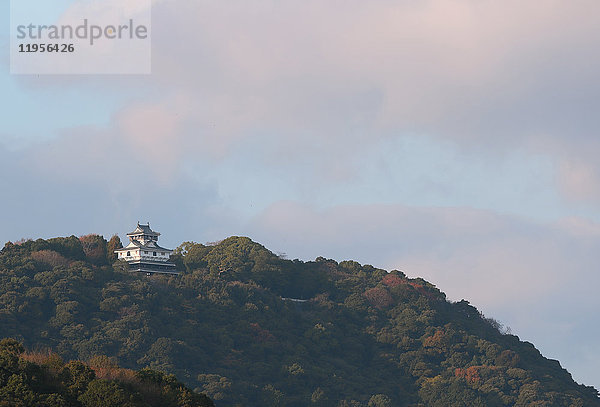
<point>154,253</point>
<point>128,253</point>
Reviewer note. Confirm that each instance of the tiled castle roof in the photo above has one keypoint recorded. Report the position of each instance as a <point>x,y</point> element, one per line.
<point>143,230</point>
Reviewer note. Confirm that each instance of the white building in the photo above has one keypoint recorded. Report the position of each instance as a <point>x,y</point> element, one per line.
<point>144,254</point>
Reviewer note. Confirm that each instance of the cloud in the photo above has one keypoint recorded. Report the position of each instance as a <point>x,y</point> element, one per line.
<point>580,180</point>
<point>433,60</point>
<point>316,77</point>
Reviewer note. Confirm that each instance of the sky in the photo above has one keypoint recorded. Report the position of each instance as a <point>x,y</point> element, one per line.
<point>455,140</point>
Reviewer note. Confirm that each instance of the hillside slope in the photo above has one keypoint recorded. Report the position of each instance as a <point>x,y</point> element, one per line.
<point>249,328</point>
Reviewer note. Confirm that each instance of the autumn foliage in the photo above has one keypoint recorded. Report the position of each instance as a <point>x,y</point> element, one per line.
<point>50,257</point>
<point>379,297</point>
<point>94,247</point>
<point>392,280</point>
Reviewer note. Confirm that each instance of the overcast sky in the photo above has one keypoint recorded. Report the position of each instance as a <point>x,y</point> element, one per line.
<point>454,140</point>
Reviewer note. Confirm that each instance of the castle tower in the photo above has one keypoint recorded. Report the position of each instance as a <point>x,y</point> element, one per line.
<point>144,254</point>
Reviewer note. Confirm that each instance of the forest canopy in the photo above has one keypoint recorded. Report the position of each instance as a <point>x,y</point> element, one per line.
<point>247,327</point>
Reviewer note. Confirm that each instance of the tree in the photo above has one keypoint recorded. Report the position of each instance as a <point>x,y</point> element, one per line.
<point>104,393</point>
<point>318,397</point>
<point>12,346</point>
<point>379,297</point>
<point>380,400</point>
<point>77,376</point>
<point>50,258</point>
<point>113,244</point>
<point>95,248</point>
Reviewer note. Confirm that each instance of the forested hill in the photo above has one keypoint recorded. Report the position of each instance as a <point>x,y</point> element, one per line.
<point>233,326</point>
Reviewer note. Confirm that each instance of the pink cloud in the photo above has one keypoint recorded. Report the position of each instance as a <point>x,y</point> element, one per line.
<point>579,180</point>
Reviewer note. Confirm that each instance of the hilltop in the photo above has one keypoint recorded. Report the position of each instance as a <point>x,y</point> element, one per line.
<point>249,328</point>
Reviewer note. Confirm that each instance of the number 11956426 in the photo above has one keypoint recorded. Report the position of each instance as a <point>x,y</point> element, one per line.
<point>46,48</point>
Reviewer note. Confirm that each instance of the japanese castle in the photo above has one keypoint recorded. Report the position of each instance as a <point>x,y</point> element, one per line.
<point>144,254</point>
